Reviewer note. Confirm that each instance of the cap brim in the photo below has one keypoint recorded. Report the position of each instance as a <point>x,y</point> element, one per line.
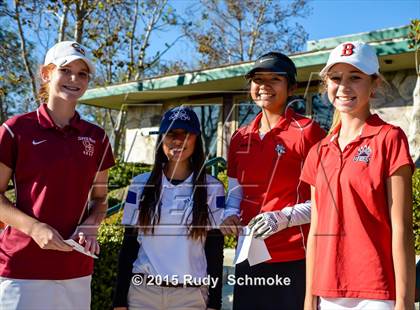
<point>68,59</point>
<point>263,69</point>
<point>325,70</point>
<point>176,125</point>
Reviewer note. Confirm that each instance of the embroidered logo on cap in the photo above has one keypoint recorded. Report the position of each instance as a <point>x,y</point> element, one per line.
<point>89,145</point>
<point>78,48</point>
<point>180,114</point>
<point>348,49</point>
<point>363,154</point>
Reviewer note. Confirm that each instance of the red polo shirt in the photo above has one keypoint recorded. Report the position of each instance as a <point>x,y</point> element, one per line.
<point>353,256</point>
<point>53,173</point>
<point>268,170</point>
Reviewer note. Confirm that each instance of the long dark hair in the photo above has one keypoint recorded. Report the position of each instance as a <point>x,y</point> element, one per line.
<point>150,200</point>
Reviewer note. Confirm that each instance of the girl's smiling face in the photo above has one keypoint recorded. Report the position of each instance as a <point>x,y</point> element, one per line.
<point>68,82</point>
<point>349,89</point>
<point>178,145</point>
<point>269,90</point>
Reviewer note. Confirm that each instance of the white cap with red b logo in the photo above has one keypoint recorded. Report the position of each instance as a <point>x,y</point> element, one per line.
<point>358,54</point>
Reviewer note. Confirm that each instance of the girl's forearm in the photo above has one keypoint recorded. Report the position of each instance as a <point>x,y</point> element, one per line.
<point>404,266</point>
<point>14,217</point>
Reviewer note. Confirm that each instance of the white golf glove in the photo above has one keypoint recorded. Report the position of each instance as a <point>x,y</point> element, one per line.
<point>268,223</point>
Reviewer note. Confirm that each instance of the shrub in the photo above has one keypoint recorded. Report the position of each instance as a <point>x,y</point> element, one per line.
<point>416,209</point>
<point>121,174</point>
<point>105,272</point>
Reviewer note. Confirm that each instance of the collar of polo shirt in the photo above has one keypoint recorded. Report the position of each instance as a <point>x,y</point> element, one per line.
<point>45,120</point>
<point>372,127</point>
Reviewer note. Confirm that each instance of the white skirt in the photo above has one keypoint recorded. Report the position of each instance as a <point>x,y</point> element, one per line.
<point>355,304</point>
<point>19,294</point>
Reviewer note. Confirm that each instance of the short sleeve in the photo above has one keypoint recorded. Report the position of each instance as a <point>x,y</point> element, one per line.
<point>8,146</point>
<point>232,160</point>
<point>310,166</point>
<point>106,158</point>
<point>131,204</point>
<point>216,196</point>
<point>398,153</point>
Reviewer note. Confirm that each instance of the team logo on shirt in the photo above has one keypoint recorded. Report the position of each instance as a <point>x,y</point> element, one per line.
<point>89,145</point>
<point>280,149</point>
<point>180,114</point>
<point>363,154</point>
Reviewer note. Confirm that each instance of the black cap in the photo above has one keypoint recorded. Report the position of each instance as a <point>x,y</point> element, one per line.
<point>180,118</point>
<point>275,62</point>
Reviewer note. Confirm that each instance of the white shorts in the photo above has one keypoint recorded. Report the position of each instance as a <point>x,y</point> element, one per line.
<point>19,294</point>
<point>355,304</point>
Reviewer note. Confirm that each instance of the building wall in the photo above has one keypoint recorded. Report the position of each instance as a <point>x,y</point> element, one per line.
<point>393,102</point>
<point>139,143</point>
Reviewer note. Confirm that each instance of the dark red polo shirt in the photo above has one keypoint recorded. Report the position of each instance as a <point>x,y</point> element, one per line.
<point>53,172</point>
<point>269,170</point>
<point>353,256</point>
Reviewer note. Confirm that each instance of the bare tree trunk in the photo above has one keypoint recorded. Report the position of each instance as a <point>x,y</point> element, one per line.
<point>24,52</point>
<point>63,23</point>
<point>152,22</point>
<point>3,115</point>
<point>241,42</point>
<point>133,31</point>
<point>80,18</point>
<point>119,130</point>
<point>256,31</point>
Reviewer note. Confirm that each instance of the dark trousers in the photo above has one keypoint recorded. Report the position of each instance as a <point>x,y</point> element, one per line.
<point>276,286</point>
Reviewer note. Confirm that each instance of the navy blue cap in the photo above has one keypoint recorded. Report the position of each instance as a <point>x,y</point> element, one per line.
<point>275,62</point>
<point>180,118</point>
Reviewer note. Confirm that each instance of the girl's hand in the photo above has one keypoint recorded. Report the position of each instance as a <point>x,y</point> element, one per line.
<point>48,238</point>
<point>87,238</point>
<point>231,225</point>
<point>120,308</point>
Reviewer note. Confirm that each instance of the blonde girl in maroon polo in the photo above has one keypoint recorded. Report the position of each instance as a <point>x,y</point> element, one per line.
<point>264,164</point>
<point>360,248</point>
<point>58,164</point>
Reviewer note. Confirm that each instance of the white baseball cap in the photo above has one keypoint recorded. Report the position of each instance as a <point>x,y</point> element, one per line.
<point>65,52</point>
<point>358,54</point>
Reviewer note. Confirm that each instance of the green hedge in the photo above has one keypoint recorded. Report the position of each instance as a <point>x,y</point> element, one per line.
<point>121,174</point>
<point>416,209</point>
<point>105,272</point>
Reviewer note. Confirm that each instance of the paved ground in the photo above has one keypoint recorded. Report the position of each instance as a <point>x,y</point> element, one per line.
<point>229,255</point>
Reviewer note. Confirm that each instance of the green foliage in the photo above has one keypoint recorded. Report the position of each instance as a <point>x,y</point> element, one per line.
<point>414,34</point>
<point>121,174</point>
<point>116,196</point>
<point>105,273</point>
<point>416,209</point>
<point>222,176</point>
<point>230,242</point>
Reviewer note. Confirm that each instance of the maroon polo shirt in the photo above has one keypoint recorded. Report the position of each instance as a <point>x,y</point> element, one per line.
<point>53,172</point>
